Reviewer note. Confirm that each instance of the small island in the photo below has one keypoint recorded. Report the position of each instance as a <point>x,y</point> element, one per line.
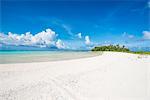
<point>117,48</point>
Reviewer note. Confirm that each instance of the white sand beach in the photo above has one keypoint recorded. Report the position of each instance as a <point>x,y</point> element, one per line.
<point>110,76</point>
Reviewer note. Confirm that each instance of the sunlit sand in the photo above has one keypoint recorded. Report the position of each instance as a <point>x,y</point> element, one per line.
<point>110,76</point>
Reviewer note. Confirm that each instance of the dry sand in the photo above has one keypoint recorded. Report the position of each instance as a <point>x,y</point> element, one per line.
<point>111,76</point>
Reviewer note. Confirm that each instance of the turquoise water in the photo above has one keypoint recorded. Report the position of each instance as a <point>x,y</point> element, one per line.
<point>42,56</point>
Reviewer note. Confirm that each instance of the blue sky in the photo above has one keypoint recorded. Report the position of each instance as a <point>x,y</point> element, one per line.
<point>99,22</point>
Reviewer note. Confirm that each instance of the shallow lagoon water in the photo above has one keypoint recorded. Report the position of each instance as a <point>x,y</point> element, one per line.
<point>42,56</point>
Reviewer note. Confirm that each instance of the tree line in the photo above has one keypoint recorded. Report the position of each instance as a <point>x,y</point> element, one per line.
<point>117,48</point>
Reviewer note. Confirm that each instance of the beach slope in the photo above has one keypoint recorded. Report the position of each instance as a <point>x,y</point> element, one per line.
<point>110,76</point>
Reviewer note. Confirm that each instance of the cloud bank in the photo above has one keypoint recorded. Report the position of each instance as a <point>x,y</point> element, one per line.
<point>60,44</point>
<point>79,35</point>
<point>46,38</point>
<point>146,35</point>
<point>87,40</point>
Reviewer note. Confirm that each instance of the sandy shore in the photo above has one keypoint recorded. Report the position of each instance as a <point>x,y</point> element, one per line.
<point>110,76</point>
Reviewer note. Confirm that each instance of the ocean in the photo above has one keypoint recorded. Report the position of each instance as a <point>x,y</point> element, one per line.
<point>7,57</point>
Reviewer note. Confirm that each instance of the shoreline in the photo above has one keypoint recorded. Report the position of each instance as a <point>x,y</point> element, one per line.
<point>112,75</point>
<point>49,56</point>
<point>91,54</point>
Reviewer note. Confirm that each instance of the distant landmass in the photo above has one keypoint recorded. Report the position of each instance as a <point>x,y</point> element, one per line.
<point>118,48</point>
<point>111,48</point>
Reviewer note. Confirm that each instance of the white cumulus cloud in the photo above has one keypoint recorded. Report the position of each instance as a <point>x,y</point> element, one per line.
<point>46,38</point>
<point>60,44</point>
<point>79,35</point>
<point>146,35</point>
<point>87,40</point>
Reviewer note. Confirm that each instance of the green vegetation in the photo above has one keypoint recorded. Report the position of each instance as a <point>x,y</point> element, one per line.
<point>118,48</point>
<point>111,48</point>
<point>141,52</point>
